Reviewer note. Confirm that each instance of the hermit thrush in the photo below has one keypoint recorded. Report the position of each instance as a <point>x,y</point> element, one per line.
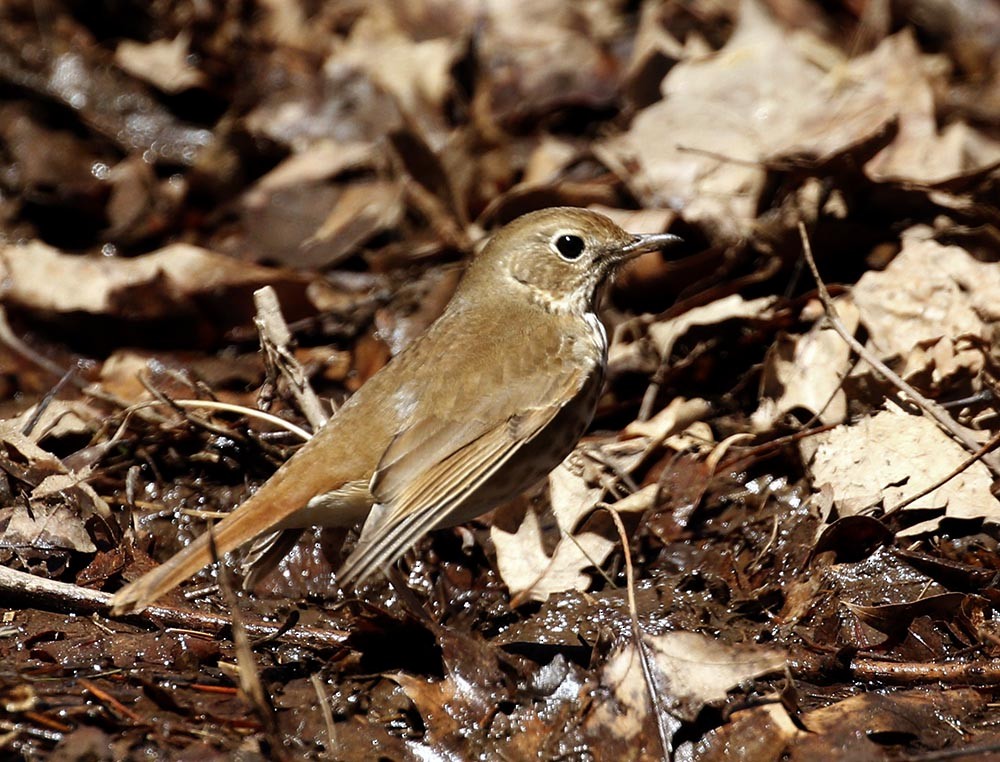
<point>491,398</point>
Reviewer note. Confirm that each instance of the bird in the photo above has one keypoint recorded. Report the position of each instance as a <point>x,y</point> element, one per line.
<point>488,400</point>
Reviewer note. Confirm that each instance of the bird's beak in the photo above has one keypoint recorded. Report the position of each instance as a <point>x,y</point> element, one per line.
<point>640,244</point>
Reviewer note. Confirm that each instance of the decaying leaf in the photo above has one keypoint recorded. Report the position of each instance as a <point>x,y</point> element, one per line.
<point>928,292</point>
<point>806,372</point>
<point>42,278</point>
<point>575,488</point>
<point>895,618</point>
<point>859,727</point>
<point>59,501</point>
<point>885,458</point>
<point>692,670</point>
<point>44,528</point>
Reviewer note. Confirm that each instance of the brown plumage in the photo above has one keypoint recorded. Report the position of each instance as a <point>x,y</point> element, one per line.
<point>493,396</point>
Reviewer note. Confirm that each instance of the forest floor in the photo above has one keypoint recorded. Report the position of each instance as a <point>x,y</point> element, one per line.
<point>811,559</point>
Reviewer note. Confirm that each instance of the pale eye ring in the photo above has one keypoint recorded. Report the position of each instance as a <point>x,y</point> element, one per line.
<point>568,246</point>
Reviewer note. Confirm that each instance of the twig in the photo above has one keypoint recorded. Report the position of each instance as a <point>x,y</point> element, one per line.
<point>249,412</point>
<point>8,337</point>
<point>163,399</point>
<point>966,464</point>
<point>979,672</point>
<point>711,293</point>
<point>932,409</point>
<point>249,678</point>
<point>274,341</point>
<point>38,592</point>
<point>324,708</point>
<point>111,701</point>
<point>970,752</point>
<point>43,405</point>
<point>766,448</point>
<point>645,660</point>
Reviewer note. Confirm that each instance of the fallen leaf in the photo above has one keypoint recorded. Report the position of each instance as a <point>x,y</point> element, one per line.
<point>691,670</point>
<point>665,333</point>
<point>55,526</point>
<point>921,152</point>
<point>702,147</point>
<point>806,372</point>
<point>891,455</point>
<point>929,291</point>
<point>43,278</point>
<point>530,573</point>
<point>895,618</point>
<point>163,63</point>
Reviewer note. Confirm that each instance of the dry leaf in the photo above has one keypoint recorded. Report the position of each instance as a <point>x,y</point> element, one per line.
<point>362,211</point>
<point>417,73</point>
<point>927,292</point>
<point>163,63</point>
<point>40,277</point>
<point>666,332</point>
<point>887,457</point>
<point>528,571</point>
<point>920,153</point>
<point>762,95</point>
<point>678,416</point>
<point>806,372</point>
<point>60,418</point>
<point>319,161</point>
<point>692,670</point>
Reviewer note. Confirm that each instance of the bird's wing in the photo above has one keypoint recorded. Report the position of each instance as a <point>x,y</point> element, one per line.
<point>432,467</point>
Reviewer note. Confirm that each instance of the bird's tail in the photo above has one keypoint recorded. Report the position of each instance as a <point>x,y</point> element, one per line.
<point>272,507</point>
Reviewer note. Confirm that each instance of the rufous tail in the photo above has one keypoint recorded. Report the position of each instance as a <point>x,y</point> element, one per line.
<point>281,496</point>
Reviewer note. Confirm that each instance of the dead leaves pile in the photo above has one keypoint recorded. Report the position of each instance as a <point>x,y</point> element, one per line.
<point>799,528</point>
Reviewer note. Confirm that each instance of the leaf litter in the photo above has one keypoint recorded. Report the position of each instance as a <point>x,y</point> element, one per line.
<point>159,165</point>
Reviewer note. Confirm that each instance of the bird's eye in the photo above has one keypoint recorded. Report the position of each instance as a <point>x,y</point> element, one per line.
<point>570,247</point>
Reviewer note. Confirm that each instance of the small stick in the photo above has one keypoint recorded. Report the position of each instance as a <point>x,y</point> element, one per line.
<point>966,464</point>
<point>249,412</point>
<point>275,338</point>
<point>324,708</point>
<point>39,592</point>
<point>42,406</point>
<point>645,660</point>
<point>980,672</point>
<point>249,677</point>
<point>115,704</point>
<point>8,337</point>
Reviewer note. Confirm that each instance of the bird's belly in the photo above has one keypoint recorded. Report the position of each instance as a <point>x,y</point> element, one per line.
<point>535,459</point>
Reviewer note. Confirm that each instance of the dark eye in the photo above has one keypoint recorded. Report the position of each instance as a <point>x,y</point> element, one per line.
<point>570,247</point>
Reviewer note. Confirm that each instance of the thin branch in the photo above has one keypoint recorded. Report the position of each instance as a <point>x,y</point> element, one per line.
<point>964,465</point>
<point>642,648</point>
<point>249,412</point>
<point>8,337</point>
<point>275,338</point>
<point>979,672</point>
<point>52,595</point>
<point>249,676</point>
<point>327,712</point>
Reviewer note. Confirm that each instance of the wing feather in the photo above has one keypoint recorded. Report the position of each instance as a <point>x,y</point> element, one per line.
<point>427,501</point>
<point>476,408</point>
